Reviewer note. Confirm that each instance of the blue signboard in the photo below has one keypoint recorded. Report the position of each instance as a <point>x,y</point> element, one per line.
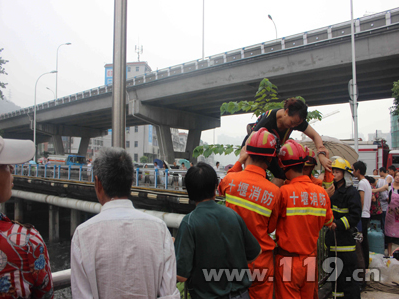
<point>150,134</point>
<point>109,73</point>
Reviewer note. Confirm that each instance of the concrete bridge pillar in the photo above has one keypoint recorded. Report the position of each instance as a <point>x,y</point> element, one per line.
<point>19,210</point>
<point>58,146</point>
<point>165,143</point>
<point>84,145</point>
<point>75,220</point>
<point>54,223</point>
<point>193,140</point>
<point>166,118</point>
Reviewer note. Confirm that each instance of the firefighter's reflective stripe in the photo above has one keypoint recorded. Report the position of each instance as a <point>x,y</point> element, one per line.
<point>329,222</point>
<point>343,248</point>
<point>346,223</point>
<point>340,210</point>
<point>248,205</point>
<point>338,295</point>
<point>306,211</point>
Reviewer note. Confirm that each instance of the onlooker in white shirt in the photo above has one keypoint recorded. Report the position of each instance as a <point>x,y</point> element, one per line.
<point>217,166</point>
<point>121,252</point>
<point>364,188</point>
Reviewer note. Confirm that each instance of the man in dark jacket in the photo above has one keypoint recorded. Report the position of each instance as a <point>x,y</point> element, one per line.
<point>340,241</point>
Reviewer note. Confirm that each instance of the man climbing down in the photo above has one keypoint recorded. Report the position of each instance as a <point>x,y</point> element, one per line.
<point>340,240</point>
<point>304,209</point>
<point>256,199</point>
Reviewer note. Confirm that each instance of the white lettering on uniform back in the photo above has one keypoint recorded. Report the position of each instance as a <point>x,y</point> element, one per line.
<point>242,189</point>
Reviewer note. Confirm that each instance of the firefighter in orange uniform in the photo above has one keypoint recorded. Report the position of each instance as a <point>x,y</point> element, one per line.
<point>304,209</point>
<point>308,168</point>
<point>256,200</point>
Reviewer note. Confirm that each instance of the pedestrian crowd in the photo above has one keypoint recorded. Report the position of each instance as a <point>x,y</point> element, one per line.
<point>261,244</point>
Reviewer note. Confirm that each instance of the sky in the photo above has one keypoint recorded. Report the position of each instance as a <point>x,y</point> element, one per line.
<point>171,34</point>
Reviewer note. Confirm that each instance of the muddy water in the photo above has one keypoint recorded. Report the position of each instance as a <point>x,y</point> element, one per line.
<point>60,260</point>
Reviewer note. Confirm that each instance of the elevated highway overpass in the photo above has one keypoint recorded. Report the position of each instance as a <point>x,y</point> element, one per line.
<point>315,64</point>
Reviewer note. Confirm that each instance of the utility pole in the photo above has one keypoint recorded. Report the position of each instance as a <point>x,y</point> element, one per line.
<point>119,74</point>
<point>354,83</point>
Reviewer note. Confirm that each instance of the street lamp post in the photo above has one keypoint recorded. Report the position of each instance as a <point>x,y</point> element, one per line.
<point>270,17</point>
<point>34,112</point>
<point>51,91</point>
<point>56,69</point>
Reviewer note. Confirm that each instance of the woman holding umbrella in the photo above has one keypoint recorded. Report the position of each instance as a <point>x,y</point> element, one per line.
<point>281,122</point>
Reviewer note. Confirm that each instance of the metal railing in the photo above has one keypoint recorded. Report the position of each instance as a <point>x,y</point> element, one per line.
<point>336,31</point>
<point>157,178</point>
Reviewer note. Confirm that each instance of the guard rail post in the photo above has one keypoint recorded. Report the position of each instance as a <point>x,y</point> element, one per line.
<point>156,178</point>
<point>137,177</point>
<point>37,170</point>
<point>69,172</point>
<point>80,173</point>
<point>29,170</point>
<point>166,178</point>
<point>45,171</point>
<point>59,171</point>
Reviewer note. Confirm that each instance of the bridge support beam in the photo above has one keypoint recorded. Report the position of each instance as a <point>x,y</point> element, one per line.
<point>19,210</point>
<point>58,146</point>
<point>193,140</point>
<point>84,145</point>
<point>165,143</point>
<point>54,223</point>
<point>165,118</point>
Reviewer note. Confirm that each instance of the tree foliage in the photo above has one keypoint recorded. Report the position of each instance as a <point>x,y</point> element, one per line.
<point>266,98</point>
<point>144,159</point>
<point>395,95</point>
<point>2,71</point>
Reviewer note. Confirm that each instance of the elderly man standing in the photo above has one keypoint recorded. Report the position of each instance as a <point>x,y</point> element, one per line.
<point>121,252</point>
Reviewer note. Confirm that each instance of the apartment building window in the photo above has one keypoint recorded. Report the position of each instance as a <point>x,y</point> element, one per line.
<point>136,157</point>
<point>136,144</point>
<point>128,69</point>
<point>137,69</point>
<point>127,144</point>
<point>136,129</point>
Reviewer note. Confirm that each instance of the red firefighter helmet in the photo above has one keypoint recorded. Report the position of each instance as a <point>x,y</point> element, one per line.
<point>291,154</point>
<point>311,158</point>
<point>262,143</point>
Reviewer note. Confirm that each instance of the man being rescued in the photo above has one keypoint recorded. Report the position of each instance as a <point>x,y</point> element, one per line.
<point>256,199</point>
<point>303,210</point>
